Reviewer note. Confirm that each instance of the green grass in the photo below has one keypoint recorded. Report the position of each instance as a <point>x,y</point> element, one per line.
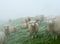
<point>22,36</point>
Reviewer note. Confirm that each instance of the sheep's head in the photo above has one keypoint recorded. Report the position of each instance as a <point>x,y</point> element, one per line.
<point>32,23</point>
<point>50,20</point>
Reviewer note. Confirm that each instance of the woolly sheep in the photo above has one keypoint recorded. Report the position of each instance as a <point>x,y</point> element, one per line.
<point>54,26</point>
<point>33,28</point>
<point>9,29</point>
<point>2,37</point>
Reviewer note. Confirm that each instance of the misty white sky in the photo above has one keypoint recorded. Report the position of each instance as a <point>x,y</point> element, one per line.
<point>11,9</point>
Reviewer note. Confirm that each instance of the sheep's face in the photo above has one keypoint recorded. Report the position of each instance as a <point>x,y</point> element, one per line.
<point>50,21</point>
<point>32,23</point>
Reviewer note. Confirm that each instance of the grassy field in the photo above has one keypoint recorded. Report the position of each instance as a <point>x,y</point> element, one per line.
<point>22,36</point>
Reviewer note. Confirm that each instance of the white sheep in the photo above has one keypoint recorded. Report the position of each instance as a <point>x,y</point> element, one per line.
<point>2,37</point>
<point>9,29</point>
<point>54,26</point>
<point>39,18</point>
<point>33,28</point>
<point>27,19</point>
<point>24,25</point>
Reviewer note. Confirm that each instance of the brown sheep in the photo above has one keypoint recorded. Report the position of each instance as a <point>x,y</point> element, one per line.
<point>33,28</point>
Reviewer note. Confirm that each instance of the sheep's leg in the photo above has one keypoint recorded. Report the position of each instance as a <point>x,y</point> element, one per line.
<point>31,35</point>
<point>36,34</point>
<point>3,42</point>
<point>14,29</point>
<point>55,37</point>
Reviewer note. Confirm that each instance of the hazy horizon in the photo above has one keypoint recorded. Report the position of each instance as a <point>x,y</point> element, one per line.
<point>12,9</point>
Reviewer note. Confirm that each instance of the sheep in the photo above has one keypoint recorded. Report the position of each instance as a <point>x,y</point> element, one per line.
<point>2,37</point>
<point>24,23</point>
<point>50,24</point>
<point>12,29</point>
<point>54,26</point>
<point>6,30</point>
<point>33,28</point>
<point>5,33</point>
<point>9,29</point>
<point>27,19</point>
<point>39,18</point>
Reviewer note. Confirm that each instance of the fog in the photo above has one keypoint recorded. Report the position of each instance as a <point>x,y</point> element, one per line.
<point>12,9</point>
